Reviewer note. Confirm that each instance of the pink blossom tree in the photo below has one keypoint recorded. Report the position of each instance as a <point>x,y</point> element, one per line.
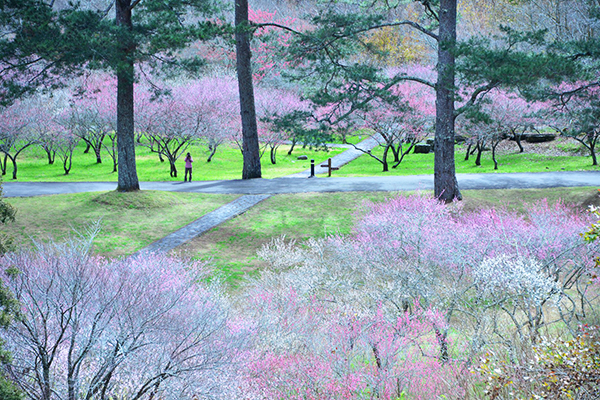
<point>15,135</point>
<point>138,328</point>
<point>575,115</point>
<point>311,345</point>
<point>94,116</point>
<point>273,106</point>
<point>499,116</point>
<point>51,125</point>
<point>216,104</point>
<point>398,116</point>
<point>171,124</point>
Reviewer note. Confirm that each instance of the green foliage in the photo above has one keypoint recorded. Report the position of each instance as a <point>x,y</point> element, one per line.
<point>8,305</point>
<point>8,391</point>
<point>46,45</point>
<point>7,214</point>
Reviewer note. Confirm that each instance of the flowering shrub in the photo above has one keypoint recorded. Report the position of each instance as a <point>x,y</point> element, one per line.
<point>311,348</point>
<point>474,282</point>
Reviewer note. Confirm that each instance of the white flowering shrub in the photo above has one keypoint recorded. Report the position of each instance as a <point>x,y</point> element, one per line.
<point>522,278</point>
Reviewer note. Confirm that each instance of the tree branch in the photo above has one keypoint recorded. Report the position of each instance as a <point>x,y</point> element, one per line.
<point>134,4</point>
<point>481,90</point>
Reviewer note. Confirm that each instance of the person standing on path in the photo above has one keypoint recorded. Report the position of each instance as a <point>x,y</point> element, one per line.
<point>188,167</point>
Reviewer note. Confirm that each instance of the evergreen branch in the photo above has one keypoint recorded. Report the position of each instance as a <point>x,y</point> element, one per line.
<point>569,93</point>
<point>105,12</point>
<point>415,79</point>
<point>134,4</point>
<point>275,25</point>
<point>363,30</point>
<point>417,27</point>
<point>479,91</point>
<point>429,10</point>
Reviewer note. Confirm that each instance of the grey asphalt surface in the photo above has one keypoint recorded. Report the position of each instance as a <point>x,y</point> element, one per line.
<point>532,180</point>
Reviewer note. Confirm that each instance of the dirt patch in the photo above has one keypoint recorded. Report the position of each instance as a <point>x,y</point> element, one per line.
<point>592,200</point>
<point>558,147</point>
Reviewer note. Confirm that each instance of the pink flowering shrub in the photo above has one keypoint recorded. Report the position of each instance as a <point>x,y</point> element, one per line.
<point>414,295</point>
<point>318,348</point>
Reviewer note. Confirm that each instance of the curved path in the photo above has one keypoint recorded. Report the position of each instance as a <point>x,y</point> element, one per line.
<point>257,190</point>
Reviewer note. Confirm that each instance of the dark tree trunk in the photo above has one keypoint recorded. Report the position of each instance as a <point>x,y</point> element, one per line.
<point>128,179</point>
<point>494,145</point>
<point>14,163</point>
<point>396,151</point>
<point>67,163</point>
<point>384,158</point>
<point>273,155</point>
<point>97,151</point>
<point>213,150</point>
<point>3,164</point>
<point>292,148</point>
<point>51,156</point>
<point>250,146</point>
<point>517,136</point>
<point>480,145</point>
<point>87,148</point>
<point>445,183</point>
<point>468,153</point>
<point>592,138</point>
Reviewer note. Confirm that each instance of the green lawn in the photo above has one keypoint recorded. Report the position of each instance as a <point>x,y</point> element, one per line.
<point>226,164</point>
<point>129,221</point>
<point>422,164</point>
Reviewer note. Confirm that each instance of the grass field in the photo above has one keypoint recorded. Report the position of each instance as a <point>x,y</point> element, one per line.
<point>226,164</point>
<point>560,155</point>
<point>131,221</point>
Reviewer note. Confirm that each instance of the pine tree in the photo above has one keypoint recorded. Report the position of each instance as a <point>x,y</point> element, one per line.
<point>47,44</point>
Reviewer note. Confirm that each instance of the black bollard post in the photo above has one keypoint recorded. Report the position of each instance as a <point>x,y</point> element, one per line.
<point>312,169</point>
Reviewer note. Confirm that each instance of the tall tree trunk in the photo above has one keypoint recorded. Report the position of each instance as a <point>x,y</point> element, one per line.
<point>445,183</point>
<point>292,148</point>
<point>250,146</point>
<point>128,179</point>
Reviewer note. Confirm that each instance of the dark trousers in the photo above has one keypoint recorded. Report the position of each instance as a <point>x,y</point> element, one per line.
<point>185,177</point>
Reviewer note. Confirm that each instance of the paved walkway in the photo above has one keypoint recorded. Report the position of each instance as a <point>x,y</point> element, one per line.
<point>257,190</point>
<point>203,224</point>
<point>536,180</point>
